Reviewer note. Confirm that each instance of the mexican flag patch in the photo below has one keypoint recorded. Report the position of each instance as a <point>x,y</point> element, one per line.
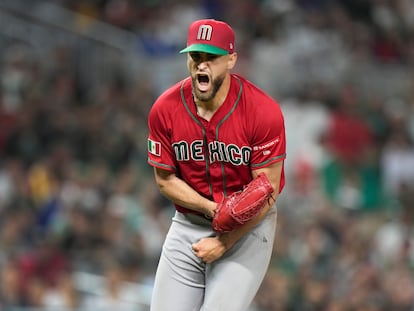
<point>154,147</point>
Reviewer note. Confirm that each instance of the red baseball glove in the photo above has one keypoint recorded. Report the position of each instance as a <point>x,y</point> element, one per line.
<point>241,206</point>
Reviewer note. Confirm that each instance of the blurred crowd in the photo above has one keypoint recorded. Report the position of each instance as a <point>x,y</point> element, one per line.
<point>76,194</point>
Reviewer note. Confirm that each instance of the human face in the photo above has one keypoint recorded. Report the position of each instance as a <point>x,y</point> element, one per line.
<point>208,72</point>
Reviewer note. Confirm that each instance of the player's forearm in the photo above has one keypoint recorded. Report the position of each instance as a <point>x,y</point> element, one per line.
<point>230,238</point>
<point>183,195</point>
<point>180,193</point>
<point>273,173</point>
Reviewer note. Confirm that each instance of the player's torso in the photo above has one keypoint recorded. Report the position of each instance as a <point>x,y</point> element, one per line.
<point>213,156</point>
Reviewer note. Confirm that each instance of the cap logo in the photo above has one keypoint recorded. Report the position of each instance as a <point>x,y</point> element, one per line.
<point>204,32</point>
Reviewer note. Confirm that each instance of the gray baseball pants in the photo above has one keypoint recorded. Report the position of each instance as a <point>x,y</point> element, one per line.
<point>184,283</point>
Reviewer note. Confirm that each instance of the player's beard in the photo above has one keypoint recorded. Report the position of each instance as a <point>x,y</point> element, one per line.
<point>209,95</point>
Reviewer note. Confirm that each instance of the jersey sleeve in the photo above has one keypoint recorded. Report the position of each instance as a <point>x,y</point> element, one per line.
<point>160,153</point>
<point>268,139</point>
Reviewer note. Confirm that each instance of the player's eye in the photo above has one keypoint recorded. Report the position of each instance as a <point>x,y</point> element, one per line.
<point>203,57</point>
<point>211,57</point>
<point>196,56</point>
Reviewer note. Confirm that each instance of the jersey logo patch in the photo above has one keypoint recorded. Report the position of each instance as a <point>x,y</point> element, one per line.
<point>267,145</point>
<point>154,147</point>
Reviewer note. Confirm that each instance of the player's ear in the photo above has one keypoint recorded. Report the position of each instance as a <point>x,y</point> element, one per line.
<point>231,62</point>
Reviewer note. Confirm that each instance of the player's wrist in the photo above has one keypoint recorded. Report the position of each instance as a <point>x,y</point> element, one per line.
<point>225,240</point>
<point>210,209</point>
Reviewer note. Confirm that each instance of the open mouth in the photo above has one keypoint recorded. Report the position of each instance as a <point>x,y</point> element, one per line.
<point>203,82</point>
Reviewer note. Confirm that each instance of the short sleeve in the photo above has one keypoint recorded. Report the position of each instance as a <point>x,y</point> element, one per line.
<point>160,153</point>
<point>269,139</point>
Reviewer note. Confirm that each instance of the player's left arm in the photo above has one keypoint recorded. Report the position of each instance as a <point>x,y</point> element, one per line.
<point>211,248</point>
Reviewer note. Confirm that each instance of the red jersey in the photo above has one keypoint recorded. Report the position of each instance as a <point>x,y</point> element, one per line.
<point>216,157</point>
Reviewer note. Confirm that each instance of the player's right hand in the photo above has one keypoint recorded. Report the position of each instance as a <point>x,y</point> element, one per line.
<point>209,249</point>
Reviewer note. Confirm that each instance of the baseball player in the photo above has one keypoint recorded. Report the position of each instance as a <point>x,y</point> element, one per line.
<point>213,136</point>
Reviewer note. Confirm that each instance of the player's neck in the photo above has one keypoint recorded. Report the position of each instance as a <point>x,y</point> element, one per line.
<point>210,105</point>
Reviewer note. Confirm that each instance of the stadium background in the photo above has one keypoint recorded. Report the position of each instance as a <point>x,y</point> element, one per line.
<point>81,222</point>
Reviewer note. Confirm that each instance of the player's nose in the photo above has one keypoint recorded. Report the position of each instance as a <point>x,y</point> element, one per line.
<point>202,64</point>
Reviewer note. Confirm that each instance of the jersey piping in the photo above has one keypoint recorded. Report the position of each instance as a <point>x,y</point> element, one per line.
<point>169,167</point>
<point>269,160</point>
<point>210,186</point>
<point>217,132</point>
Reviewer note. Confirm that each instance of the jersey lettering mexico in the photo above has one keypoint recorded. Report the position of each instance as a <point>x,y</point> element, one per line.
<point>216,157</point>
